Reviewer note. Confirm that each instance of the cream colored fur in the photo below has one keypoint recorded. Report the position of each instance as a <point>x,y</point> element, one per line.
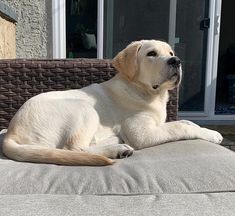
<point>101,122</point>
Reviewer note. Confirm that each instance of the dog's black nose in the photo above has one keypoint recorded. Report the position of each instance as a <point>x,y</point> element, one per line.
<point>174,61</point>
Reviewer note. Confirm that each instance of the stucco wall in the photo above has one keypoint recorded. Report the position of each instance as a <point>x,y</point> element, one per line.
<point>7,39</point>
<point>33,29</point>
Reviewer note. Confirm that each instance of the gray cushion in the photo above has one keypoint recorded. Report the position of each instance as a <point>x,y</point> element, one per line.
<point>177,167</point>
<point>215,204</point>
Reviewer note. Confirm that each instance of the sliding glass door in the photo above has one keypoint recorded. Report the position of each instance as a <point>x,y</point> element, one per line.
<point>183,23</point>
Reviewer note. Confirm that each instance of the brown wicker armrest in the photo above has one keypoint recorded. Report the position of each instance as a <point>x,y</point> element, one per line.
<point>21,79</point>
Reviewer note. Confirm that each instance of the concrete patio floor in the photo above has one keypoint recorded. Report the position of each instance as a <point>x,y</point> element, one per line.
<point>228,132</point>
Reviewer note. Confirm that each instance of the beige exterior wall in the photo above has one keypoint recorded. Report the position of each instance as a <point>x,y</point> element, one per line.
<point>7,39</point>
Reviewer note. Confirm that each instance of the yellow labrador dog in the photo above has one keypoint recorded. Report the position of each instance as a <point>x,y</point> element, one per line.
<point>101,122</point>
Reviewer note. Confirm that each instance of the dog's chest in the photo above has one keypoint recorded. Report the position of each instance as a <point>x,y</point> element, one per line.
<point>158,109</point>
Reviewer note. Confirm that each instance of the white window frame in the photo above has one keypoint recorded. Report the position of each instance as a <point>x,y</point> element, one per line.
<point>100,29</point>
<point>59,28</point>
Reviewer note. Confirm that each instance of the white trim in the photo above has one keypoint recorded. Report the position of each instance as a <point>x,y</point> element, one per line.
<point>191,113</point>
<point>212,122</point>
<point>172,23</point>
<point>209,64</point>
<point>230,118</point>
<point>59,28</point>
<point>216,36</point>
<point>100,29</point>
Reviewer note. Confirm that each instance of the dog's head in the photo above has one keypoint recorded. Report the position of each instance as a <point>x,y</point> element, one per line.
<point>151,63</point>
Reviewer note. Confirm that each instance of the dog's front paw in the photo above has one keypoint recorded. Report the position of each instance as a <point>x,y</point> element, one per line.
<point>211,136</point>
<point>124,151</point>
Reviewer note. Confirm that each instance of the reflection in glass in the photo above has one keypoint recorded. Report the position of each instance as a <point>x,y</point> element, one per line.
<point>81,28</point>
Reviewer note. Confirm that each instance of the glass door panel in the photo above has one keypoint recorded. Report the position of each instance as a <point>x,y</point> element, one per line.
<point>191,47</point>
<point>180,22</point>
<point>126,21</point>
<point>81,28</point>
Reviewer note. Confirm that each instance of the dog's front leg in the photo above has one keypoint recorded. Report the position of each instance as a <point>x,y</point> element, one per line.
<point>143,131</point>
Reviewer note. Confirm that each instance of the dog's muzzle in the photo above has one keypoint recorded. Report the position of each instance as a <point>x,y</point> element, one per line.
<point>175,72</point>
<point>177,78</point>
<point>175,64</point>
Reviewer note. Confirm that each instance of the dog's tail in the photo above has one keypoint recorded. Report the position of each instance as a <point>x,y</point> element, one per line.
<point>38,154</point>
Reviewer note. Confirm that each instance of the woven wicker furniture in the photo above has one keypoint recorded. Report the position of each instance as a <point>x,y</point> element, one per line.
<point>21,79</point>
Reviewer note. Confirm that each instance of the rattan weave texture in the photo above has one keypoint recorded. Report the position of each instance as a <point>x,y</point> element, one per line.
<point>21,79</point>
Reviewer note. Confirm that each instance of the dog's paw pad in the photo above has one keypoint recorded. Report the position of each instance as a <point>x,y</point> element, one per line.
<point>125,154</point>
<point>125,151</point>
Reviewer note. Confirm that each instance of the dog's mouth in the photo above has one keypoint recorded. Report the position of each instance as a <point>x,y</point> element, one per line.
<point>175,78</point>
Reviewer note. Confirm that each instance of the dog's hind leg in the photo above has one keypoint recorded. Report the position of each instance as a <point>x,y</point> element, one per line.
<point>81,129</point>
<point>112,151</point>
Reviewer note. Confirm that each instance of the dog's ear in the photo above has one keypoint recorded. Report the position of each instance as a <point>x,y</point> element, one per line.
<point>125,61</point>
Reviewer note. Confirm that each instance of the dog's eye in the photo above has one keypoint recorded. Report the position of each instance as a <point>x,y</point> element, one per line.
<point>171,53</point>
<point>152,53</point>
